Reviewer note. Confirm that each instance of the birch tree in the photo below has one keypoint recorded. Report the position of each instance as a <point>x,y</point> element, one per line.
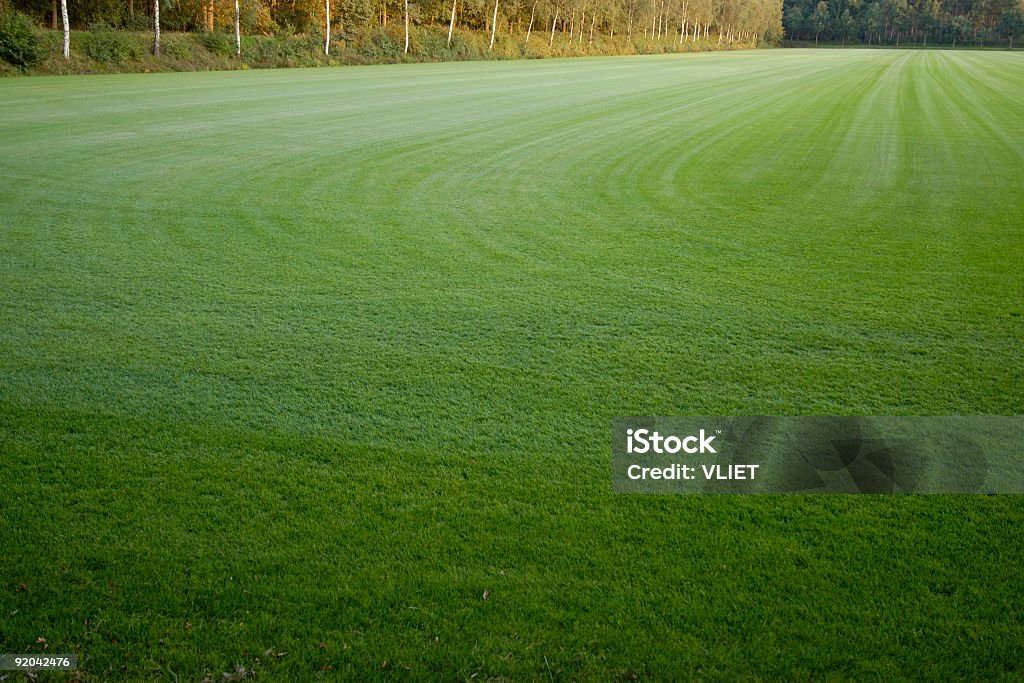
<point>494,24</point>
<point>406,27</point>
<point>238,31</point>
<point>451,24</point>
<point>156,27</point>
<point>327,26</point>
<point>67,29</point>
<point>529,28</point>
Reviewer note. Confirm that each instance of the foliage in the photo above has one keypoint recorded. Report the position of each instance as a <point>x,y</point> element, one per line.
<point>138,23</point>
<point>112,47</point>
<point>381,44</point>
<point>177,47</point>
<point>740,22</point>
<point>899,21</point>
<point>433,45</point>
<point>19,41</point>
<point>219,43</point>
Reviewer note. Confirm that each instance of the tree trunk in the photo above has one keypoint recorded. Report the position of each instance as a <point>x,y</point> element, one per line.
<point>156,27</point>
<point>551,41</point>
<point>451,24</point>
<point>583,22</point>
<point>238,29</point>
<point>54,13</point>
<point>593,20</point>
<point>67,30</point>
<point>529,29</point>
<point>494,24</point>
<point>407,29</point>
<point>629,26</point>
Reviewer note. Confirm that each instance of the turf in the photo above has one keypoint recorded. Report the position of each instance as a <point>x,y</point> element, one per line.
<point>313,372</point>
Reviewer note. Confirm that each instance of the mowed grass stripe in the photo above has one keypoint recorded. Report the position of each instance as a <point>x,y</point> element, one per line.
<point>320,356</point>
<point>341,197</point>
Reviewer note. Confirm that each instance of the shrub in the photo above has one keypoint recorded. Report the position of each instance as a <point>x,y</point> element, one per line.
<point>139,23</point>
<point>259,50</point>
<point>179,49</point>
<point>381,44</point>
<point>434,46</point>
<point>219,43</point>
<point>19,42</point>
<point>111,47</point>
<point>462,48</point>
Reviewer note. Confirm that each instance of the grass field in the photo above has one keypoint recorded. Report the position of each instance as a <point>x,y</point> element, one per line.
<point>313,372</point>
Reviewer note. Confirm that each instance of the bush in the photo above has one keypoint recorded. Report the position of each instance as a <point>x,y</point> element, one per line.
<point>140,23</point>
<point>462,49</point>
<point>111,47</point>
<point>19,42</point>
<point>178,48</point>
<point>381,44</point>
<point>434,46</point>
<point>219,43</point>
<point>259,50</point>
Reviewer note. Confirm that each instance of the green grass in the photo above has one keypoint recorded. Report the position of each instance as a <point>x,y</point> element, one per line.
<point>296,365</point>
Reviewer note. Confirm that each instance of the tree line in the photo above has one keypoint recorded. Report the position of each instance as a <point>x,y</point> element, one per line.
<point>896,22</point>
<point>709,22</point>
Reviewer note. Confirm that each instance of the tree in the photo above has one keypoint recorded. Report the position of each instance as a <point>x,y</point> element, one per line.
<point>900,14</point>
<point>846,26</point>
<point>67,29</point>
<point>928,18</point>
<point>238,30</point>
<point>494,24</point>
<point>794,21</point>
<point>873,20</point>
<point>156,28</point>
<point>820,20</point>
<point>529,29</point>
<point>451,24</point>
<point>1011,22</point>
<point>961,27</point>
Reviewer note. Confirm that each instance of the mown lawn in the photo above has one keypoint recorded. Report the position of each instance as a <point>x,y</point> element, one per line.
<point>313,372</point>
